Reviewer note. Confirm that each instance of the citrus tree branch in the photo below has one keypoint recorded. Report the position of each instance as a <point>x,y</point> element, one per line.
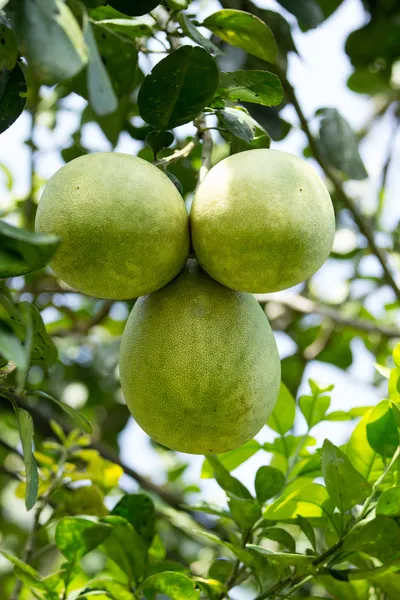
<point>178,154</point>
<point>348,202</point>
<point>204,134</point>
<point>306,306</point>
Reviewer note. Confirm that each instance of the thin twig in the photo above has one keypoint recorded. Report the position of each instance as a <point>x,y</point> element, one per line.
<point>348,202</point>
<point>307,306</point>
<point>178,154</point>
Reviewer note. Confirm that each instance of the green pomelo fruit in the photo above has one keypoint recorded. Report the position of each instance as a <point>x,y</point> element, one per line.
<point>123,225</point>
<point>262,221</point>
<point>199,365</point>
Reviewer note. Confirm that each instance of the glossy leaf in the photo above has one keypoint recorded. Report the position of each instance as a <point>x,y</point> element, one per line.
<point>178,88</point>
<point>190,29</point>
<point>130,30</point>
<point>344,483</point>
<point>231,460</point>
<point>243,128</point>
<point>114,588</point>
<point>75,415</point>
<point>175,585</point>
<point>389,503</point>
<point>258,87</point>
<point>12,102</point>
<point>379,537</point>
<point>139,510</point>
<point>339,144</point>
<point>22,251</point>
<point>25,426</point>
<point>360,453</point>
<point>245,31</point>
<point>228,483</point>
<point>382,431</point>
<point>50,38</point>
<point>268,483</point>
<point>310,501</point>
<point>283,415</point>
<point>125,547</point>
<point>75,537</point>
<point>101,93</point>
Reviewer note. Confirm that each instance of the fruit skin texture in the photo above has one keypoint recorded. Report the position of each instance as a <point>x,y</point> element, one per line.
<point>262,221</point>
<point>199,365</point>
<point>123,224</point>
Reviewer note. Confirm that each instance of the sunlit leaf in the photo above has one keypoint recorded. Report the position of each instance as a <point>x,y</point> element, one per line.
<point>245,31</point>
<point>389,503</point>
<point>345,485</point>
<point>25,426</point>
<point>258,87</point>
<point>139,510</point>
<point>283,415</point>
<point>310,501</point>
<point>175,585</point>
<point>382,431</point>
<point>231,460</point>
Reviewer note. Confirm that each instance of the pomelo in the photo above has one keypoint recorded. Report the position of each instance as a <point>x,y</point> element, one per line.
<point>123,225</point>
<point>199,365</point>
<point>262,221</point>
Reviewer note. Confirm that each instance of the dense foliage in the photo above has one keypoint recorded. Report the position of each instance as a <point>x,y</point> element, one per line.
<point>323,522</point>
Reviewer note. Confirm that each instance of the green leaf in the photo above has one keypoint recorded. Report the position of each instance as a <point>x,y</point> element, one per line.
<point>75,537</point>
<point>119,591</point>
<point>75,415</point>
<point>22,251</point>
<point>9,51</point>
<point>283,415</point>
<point>102,97</point>
<point>308,530</point>
<point>339,144</point>
<point>389,503</point>
<point>157,140</point>
<point>281,536</point>
<point>136,8</point>
<point>228,483</point>
<point>363,458</point>
<point>190,29</point>
<point>310,501</point>
<point>24,569</point>
<point>243,507</point>
<point>50,38</point>
<point>345,485</point>
<point>12,349</point>
<point>178,88</point>
<point>308,12</point>
<point>259,565</point>
<point>259,87</point>
<point>243,128</point>
<point>379,537</point>
<point>280,557</point>
<point>175,585</point>
<point>268,482</point>
<point>125,547</point>
<point>86,500</point>
<point>139,511</point>
<point>12,102</point>
<point>245,31</point>
<point>382,432</point>
<point>314,408</point>
<point>130,30</point>
<point>25,426</point>
<point>117,47</point>
<point>221,570</point>
<point>231,460</point>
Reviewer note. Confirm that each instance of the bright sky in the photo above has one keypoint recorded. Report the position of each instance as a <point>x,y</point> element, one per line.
<point>320,80</point>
